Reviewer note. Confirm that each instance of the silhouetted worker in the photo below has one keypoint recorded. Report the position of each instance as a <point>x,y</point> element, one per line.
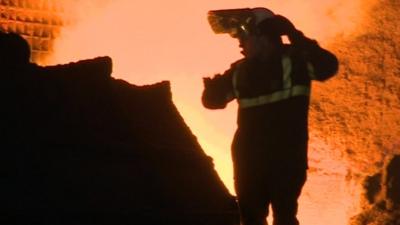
<point>272,87</point>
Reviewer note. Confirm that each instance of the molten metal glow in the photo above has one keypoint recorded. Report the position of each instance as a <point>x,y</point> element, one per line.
<point>152,40</point>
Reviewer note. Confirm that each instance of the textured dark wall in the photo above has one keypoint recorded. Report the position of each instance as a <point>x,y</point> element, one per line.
<point>38,21</point>
<point>357,113</point>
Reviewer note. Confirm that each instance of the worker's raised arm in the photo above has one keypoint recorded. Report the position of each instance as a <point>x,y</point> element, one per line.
<point>323,64</point>
<point>218,91</point>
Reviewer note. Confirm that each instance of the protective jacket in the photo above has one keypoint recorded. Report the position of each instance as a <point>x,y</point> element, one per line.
<point>273,99</point>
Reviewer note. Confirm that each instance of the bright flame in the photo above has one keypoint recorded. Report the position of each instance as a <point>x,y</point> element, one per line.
<point>151,41</point>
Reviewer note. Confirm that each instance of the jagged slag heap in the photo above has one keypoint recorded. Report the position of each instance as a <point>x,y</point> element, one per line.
<point>78,146</point>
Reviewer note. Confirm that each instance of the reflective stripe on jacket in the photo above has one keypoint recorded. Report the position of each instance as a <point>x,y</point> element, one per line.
<point>289,87</point>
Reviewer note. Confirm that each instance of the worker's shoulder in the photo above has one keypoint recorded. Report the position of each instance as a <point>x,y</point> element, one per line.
<point>237,63</point>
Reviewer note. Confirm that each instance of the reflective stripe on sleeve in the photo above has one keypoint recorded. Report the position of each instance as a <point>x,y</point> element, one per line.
<point>297,90</point>
<point>311,71</point>
<point>234,83</point>
<point>287,70</point>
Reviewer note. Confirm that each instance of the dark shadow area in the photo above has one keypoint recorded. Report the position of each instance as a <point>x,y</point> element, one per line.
<point>382,196</point>
<point>80,147</point>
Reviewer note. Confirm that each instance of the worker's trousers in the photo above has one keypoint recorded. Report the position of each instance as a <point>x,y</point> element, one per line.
<point>261,182</point>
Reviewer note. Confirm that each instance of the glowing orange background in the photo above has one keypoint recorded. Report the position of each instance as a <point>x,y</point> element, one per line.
<point>151,41</point>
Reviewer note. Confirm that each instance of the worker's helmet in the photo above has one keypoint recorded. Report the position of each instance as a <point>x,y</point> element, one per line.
<point>238,22</point>
<point>260,14</point>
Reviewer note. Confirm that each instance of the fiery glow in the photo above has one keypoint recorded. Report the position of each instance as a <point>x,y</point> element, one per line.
<point>151,41</point>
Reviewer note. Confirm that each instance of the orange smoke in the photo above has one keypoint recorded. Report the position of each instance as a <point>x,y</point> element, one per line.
<point>151,41</point>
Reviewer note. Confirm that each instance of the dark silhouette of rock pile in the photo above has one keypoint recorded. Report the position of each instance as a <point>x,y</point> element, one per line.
<point>79,147</point>
<point>382,196</point>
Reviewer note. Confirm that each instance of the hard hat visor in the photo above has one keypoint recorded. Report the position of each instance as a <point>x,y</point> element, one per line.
<point>228,20</point>
<point>237,22</point>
